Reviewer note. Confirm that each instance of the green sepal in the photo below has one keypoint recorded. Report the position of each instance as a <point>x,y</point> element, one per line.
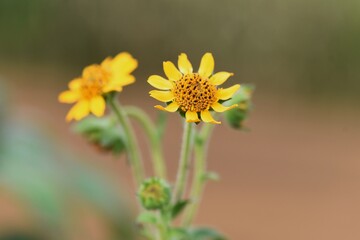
<point>236,116</point>
<point>109,96</point>
<point>102,132</point>
<point>178,208</point>
<point>182,113</point>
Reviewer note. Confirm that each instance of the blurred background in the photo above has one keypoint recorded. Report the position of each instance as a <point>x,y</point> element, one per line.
<point>295,175</point>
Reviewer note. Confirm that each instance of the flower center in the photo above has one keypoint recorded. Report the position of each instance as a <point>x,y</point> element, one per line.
<point>153,191</point>
<point>194,93</point>
<point>94,80</point>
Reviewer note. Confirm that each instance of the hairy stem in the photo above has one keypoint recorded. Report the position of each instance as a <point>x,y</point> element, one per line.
<point>198,184</point>
<point>184,163</point>
<point>131,144</point>
<point>154,139</point>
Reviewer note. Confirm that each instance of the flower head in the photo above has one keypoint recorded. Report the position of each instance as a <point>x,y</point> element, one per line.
<point>96,80</point>
<point>154,193</point>
<point>195,94</point>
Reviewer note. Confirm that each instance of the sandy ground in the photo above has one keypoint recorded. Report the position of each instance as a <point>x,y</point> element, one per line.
<point>295,175</point>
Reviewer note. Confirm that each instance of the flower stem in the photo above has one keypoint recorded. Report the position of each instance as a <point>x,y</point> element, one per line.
<point>132,146</point>
<point>184,163</point>
<point>154,139</point>
<point>198,185</point>
<point>164,215</point>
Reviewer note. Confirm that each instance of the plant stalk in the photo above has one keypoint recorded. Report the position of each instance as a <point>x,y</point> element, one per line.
<point>199,181</point>
<point>132,146</point>
<point>184,163</point>
<point>154,139</point>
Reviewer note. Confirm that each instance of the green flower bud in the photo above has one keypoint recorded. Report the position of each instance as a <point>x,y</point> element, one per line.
<point>236,116</point>
<point>154,193</point>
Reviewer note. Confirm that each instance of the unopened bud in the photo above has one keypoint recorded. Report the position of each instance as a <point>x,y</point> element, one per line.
<point>154,193</point>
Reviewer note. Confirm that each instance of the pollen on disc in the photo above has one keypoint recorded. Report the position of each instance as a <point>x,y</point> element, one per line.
<point>194,93</point>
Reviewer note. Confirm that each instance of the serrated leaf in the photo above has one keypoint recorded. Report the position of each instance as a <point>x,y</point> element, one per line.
<point>178,208</point>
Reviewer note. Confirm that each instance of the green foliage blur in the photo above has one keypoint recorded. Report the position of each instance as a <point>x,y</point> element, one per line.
<point>42,177</point>
<point>102,132</point>
<point>311,47</point>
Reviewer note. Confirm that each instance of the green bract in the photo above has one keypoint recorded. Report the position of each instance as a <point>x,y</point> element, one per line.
<point>154,193</point>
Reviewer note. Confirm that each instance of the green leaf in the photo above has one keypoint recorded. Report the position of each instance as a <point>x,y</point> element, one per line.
<point>195,234</point>
<point>103,132</point>
<point>178,208</point>
<point>93,124</point>
<point>147,217</point>
<point>205,234</point>
<point>33,169</point>
<point>179,234</point>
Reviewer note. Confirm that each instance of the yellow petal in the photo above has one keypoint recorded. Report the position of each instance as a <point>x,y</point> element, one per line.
<point>123,63</point>
<point>206,117</point>
<point>97,106</point>
<point>75,84</point>
<point>163,96</point>
<point>171,71</point>
<point>184,64</point>
<point>206,65</point>
<point>69,97</point>
<point>226,93</point>
<point>159,82</point>
<point>125,79</point>
<point>220,108</point>
<point>114,86</point>
<point>192,116</point>
<point>79,111</point>
<point>119,69</point>
<point>106,64</point>
<point>118,82</point>
<point>172,107</point>
<point>91,71</point>
<point>220,77</point>
<point>70,115</point>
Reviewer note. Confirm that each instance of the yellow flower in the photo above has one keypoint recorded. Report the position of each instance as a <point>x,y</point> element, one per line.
<point>96,80</point>
<point>194,94</point>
